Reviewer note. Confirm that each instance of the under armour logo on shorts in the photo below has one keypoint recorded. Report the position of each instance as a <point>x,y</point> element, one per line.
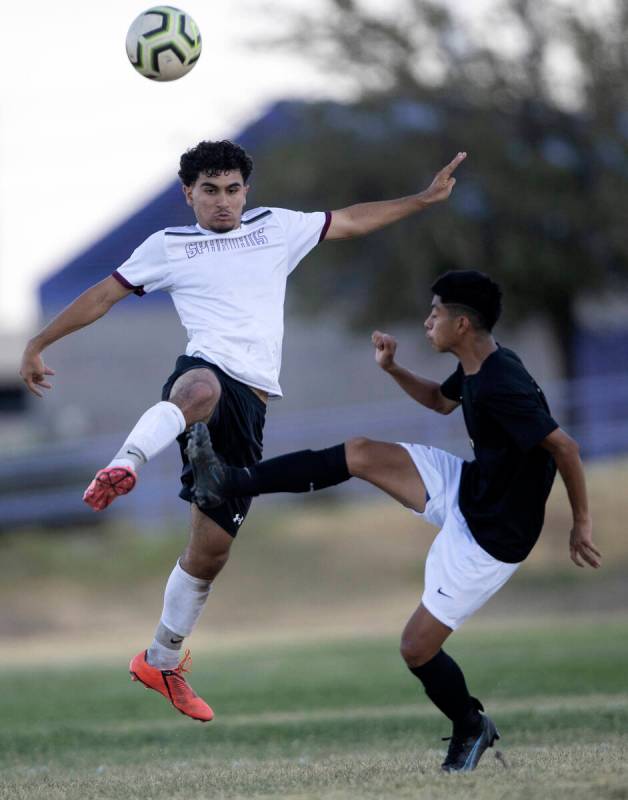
<point>238,519</point>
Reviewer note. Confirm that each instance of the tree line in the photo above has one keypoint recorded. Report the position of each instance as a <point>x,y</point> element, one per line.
<point>536,92</point>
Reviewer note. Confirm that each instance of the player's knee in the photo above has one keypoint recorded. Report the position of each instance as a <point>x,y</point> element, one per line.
<point>358,453</point>
<point>197,400</point>
<point>204,565</point>
<point>414,651</point>
<point>215,565</point>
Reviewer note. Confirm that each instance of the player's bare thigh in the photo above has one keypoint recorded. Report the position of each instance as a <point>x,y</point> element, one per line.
<point>389,467</point>
<point>208,548</point>
<point>196,393</point>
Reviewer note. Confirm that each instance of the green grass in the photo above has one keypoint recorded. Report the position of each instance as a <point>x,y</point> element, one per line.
<point>327,720</point>
<point>333,719</point>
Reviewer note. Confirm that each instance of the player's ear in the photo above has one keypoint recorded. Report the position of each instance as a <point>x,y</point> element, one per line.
<point>187,193</point>
<point>462,324</point>
<point>246,191</point>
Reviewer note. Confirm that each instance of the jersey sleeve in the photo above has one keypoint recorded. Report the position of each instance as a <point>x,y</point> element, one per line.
<point>303,231</point>
<point>147,269</point>
<point>521,415</point>
<point>452,386</point>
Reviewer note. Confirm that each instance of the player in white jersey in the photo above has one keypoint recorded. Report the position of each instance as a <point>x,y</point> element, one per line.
<point>227,278</point>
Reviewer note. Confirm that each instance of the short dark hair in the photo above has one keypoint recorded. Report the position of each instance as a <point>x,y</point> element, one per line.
<point>475,318</point>
<point>472,293</point>
<point>214,158</point>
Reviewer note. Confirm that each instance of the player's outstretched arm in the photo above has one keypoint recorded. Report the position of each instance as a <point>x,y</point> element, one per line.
<point>88,307</point>
<point>363,218</point>
<point>566,454</point>
<point>422,390</point>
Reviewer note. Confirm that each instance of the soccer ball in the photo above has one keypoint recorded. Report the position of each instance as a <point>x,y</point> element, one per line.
<point>163,43</point>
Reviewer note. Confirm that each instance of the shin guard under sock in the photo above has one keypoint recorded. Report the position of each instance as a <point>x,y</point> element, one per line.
<point>446,687</point>
<point>158,427</point>
<point>184,599</point>
<point>303,471</point>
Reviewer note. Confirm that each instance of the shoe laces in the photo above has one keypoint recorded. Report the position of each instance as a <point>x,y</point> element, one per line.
<point>180,688</point>
<point>458,741</point>
<point>456,745</point>
<point>185,664</point>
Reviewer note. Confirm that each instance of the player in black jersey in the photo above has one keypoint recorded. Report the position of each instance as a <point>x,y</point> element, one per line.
<point>489,510</point>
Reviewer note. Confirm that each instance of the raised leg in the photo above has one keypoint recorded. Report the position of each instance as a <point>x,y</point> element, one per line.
<point>193,398</point>
<point>196,393</point>
<point>389,467</point>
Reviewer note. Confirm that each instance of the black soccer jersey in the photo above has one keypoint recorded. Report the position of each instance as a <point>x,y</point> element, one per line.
<point>504,490</point>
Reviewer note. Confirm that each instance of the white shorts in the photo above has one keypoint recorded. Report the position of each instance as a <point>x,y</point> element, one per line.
<point>459,575</point>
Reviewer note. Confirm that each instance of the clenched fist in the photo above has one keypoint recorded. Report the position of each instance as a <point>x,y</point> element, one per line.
<point>385,348</point>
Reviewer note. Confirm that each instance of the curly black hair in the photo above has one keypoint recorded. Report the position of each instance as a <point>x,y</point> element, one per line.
<point>213,158</point>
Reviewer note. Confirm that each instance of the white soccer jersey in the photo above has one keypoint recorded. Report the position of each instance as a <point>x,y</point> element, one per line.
<point>229,288</point>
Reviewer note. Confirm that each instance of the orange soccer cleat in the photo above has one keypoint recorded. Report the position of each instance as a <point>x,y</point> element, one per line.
<point>109,483</point>
<point>172,684</point>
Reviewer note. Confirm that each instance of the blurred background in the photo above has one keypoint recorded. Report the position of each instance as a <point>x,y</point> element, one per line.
<point>338,101</point>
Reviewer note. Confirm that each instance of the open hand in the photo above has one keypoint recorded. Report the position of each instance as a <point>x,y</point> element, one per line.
<point>34,372</point>
<point>581,547</point>
<point>442,185</point>
<point>385,348</point>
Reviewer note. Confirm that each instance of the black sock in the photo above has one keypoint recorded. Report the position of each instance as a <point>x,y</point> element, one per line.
<point>303,471</point>
<point>446,687</point>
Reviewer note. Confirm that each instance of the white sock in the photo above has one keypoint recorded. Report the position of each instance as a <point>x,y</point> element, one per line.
<point>184,599</point>
<point>155,430</point>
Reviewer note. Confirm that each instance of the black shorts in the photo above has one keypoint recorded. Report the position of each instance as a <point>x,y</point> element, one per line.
<point>236,429</point>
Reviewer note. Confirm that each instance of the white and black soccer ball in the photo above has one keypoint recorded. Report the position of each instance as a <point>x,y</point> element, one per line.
<point>163,43</point>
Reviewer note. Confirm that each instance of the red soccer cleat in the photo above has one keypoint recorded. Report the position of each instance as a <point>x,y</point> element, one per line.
<point>109,483</point>
<point>172,684</point>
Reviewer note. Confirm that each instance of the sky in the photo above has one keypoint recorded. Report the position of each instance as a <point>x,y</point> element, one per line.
<point>84,139</point>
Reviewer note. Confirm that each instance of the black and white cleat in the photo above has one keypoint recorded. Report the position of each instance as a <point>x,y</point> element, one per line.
<point>466,748</point>
<point>207,468</point>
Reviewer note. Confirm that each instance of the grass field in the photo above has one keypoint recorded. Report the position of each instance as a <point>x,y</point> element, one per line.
<point>326,719</point>
<point>298,654</point>
<point>350,565</point>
